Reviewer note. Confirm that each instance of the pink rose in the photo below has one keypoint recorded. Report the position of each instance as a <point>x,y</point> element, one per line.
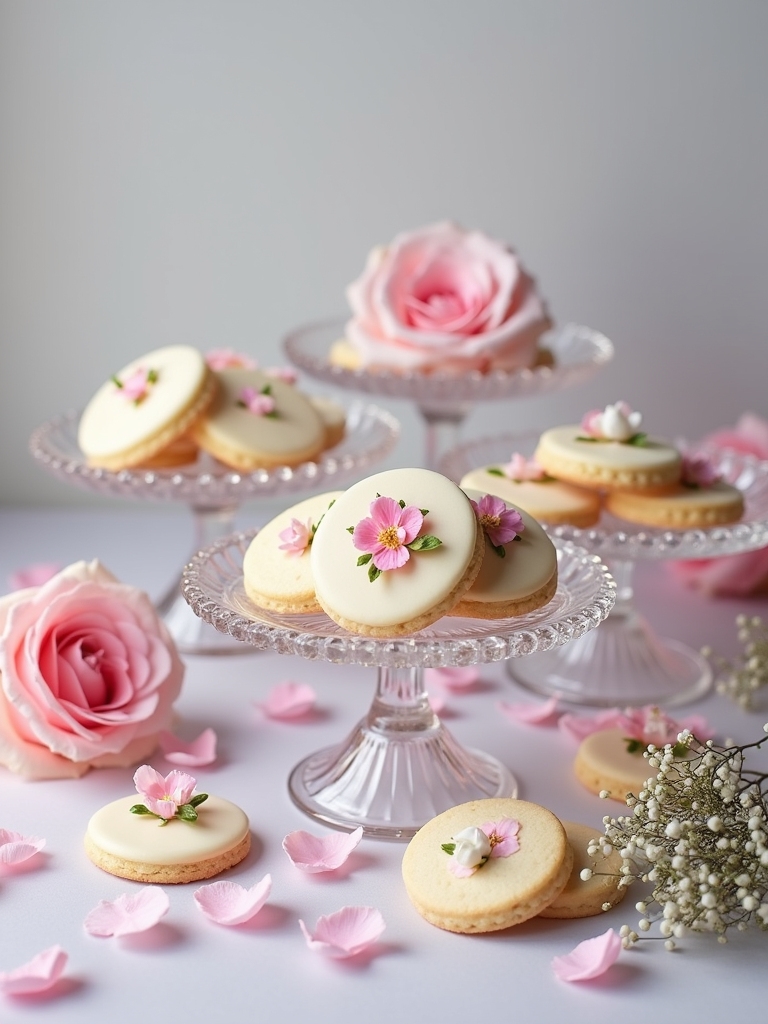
<point>441,298</point>
<point>88,675</point>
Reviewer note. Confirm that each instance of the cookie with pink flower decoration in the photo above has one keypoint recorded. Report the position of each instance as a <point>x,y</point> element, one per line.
<point>487,865</point>
<point>173,834</point>
<point>396,552</point>
<point>519,570</point>
<point>277,570</point>
<point>608,451</point>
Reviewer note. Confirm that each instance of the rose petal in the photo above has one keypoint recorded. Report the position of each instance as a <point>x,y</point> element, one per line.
<point>36,975</point>
<point>289,700</point>
<point>532,714</point>
<point>314,854</point>
<point>195,754</point>
<point>34,575</point>
<point>228,903</point>
<point>16,848</point>
<point>452,678</point>
<point>346,933</point>
<point>130,913</point>
<point>578,727</point>
<point>589,959</point>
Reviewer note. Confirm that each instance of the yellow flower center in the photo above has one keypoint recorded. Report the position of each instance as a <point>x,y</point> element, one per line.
<point>388,537</point>
<point>494,839</point>
<point>488,520</point>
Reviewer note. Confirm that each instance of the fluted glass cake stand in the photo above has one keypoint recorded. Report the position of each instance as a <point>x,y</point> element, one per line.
<point>214,492</point>
<point>625,663</point>
<point>400,766</point>
<point>444,400</point>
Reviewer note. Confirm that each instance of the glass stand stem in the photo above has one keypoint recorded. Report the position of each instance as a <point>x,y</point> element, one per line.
<point>442,429</point>
<point>398,768</point>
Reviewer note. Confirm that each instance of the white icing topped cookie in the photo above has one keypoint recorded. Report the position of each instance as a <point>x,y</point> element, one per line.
<point>427,578</point>
<point>548,500</point>
<point>334,417</point>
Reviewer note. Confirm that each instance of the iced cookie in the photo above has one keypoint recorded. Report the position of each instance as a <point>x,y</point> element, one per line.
<point>607,451</point>
<point>145,407</point>
<point>277,569</point>
<point>258,421</point>
<point>604,763</point>
<point>396,552</point>
<point>519,570</point>
<point>587,897</point>
<point>334,417</point>
<point>180,452</point>
<point>522,482</point>
<point>486,865</point>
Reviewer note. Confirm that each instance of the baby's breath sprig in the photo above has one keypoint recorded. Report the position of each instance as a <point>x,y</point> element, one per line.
<point>742,678</point>
<point>698,833</point>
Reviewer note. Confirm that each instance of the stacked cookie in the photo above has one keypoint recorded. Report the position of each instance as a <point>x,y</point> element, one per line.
<point>160,409</point>
<point>397,551</point>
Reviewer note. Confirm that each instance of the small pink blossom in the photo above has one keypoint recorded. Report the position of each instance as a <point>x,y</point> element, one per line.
<point>136,387</point>
<point>346,933</point>
<point>198,752</point>
<point>532,714</point>
<point>33,575</point>
<point>129,914</point>
<point>16,848</point>
<point>589,959</point>
<point>229,904</point>
<point>502,835</point>
<point>698,471</point>
<point>257,402</point>
<point>647,725</point>
<point>163,796</point>
<point>460,870</point>
<point>616,422</point>
<point>500,523</point>
<point>458,678</point>
<point>315,854</point>
<point>228,359</point>
<point>289,700</point>
<point>519,468</point>
<point>297,537</point>
<point>387,532</point>
<point>286,373</point>
<point>37,975</point>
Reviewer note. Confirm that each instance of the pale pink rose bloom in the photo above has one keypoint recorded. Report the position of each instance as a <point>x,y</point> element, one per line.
<point>16,848</point>
<point>315,854</point>
<point>500,523</point>
<point>229,904</point>
<point>256,402</point>
<point>296,537</point>
<point>346,933</point>
<point>589,959</point>
<point>519,468</point>
<point>387,531</point>
<point>227,359</point>
<point>198,752</point>
<point>129,914</point>
<point>163,795</point>
<point>36,975</point>
<point>88,675</point>
<point>441,298</point>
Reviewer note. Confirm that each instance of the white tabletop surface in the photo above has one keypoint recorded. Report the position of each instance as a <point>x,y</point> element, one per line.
<point>189,969</point>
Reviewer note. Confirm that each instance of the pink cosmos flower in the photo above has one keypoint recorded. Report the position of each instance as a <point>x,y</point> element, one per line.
<point>500,523</point>
<point>698,471</point>
<point>227,359</point>
<point>163,796</point>
<point>387,532</point>
<point>502,835</point>
<point>136,387</point>
<point>297,537</point>
<point>519,468</point>
<point>256,402</point>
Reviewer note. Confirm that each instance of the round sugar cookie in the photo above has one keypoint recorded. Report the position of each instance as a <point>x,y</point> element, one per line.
<point>126,424</point>
<point>604,763</point>
<point>278,579</point>
<point>607,465</point>
<point>334,417</point>
<point>683,508</point>
<point>582,898</point>
<point>427,586</point>
<point>503,891</point>
<point>291,433</point>
<point>549,500</point>
<point>138,847</point>
<point>520,582</point>
<point>180,452</point>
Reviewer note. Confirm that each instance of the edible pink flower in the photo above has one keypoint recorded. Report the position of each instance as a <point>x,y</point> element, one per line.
<point>502,835</point>
<point>519,468</point>
<point>698,471</point>
<point>256,402</point>
<point>387,532</point>
<point>136,387</point>
<point>500,523</point>
<point>614,423</point>
<point>163,796</point>
<point>297,537</point>
<point>16,848</point>
<point>129,914</point>
<point>36,975</point>
<point>647,725</point>
<point>227,359</point>
<point>589,959</point>
<point>286,373</point>
<point>346,933</point>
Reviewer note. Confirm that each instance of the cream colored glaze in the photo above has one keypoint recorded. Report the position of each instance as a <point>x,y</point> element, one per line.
<point>112,423</point>
<point>427,578</point>
<point>549,501</point>
<point>220,826</point>
<point>529,563</point>
<point>605,753</point>
<point>277,574</point>
<point>334,417</point>
<point>685,506</point>
<point>562,443</point>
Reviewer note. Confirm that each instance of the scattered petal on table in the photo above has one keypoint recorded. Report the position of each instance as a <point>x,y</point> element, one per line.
<point>195,754</point>
<point>320,853</point>
<point>452,678</point>
<point>532,714</point>
<point>589,959</point>
<point>130,913</point>
<point>15,848</point>
<point>437,702</point>
<point>37,975</point>
<point>578,727</point>
<point>228,903</point>
<point>34,575</point>
<point>289,700</point>
<point>346,933</point>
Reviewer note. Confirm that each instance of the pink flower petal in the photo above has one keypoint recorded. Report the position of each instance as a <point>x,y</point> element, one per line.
<point>36,975</point>
<point>346,933</point>
<point>130,913</point>
<point>452,678</point>
<point>195,754</point>
<point>578,727</point>
<point>437,702</point>
<point>532,714</point>
<point>460,870</point>
<point>16,848</point>
<point>289,700</point>
<point>34,575</point>
<point>589,959</point>
<point>314,854</point>
<point>228,903</point>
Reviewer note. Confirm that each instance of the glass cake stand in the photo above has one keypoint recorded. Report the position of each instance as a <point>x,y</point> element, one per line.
<point>625,663</point>
<point>444,400</point>
<point>214,492</point>
<point>400,766</point>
